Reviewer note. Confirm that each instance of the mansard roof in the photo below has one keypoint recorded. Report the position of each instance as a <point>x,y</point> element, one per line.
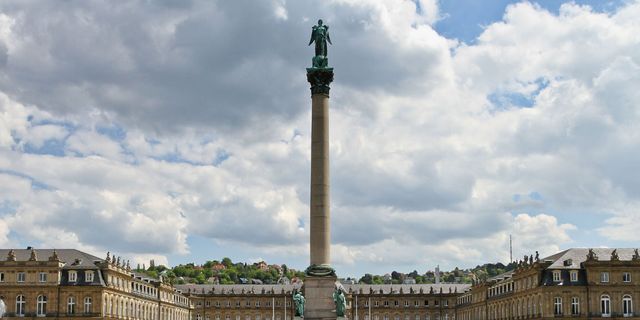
<point>406,288</point>
<point>72,258</point>
<point>579,255</point>
<point>236,289</point>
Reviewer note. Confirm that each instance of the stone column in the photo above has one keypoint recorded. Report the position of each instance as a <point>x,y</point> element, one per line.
<point>320,277</point>
<point>320,212</point>
<point>320,217</point>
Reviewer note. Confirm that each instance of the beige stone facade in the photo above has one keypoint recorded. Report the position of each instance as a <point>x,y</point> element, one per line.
<point>364,302</point>
<point>70,284</point>
<point>570,284</point>
<point>575,283</point>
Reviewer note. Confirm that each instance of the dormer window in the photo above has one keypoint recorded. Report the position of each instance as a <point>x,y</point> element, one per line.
<point>556,276</point>
<point>88,276</point>
<point>73,276</point>
<point>574,276</point>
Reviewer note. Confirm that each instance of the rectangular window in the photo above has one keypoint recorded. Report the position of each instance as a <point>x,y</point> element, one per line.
<point>21,277</point>
<point>426,303</point>
<point>87,305</point>
<point>604,277</point>
<point>626,277</point>
<point>575,306</point>
<point>574,276</point>
<point>446,303</point>
<point>557,306</point>
<point>88,276</point>
<point>1,276</point>
<point>73,276</point>
<point>556,276</point>
<point>42,276</point>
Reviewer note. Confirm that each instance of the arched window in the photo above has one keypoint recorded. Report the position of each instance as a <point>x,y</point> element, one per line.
<point>41,307</point>
<point>87,304</point>
<point>71,305</point>
<point>557,306</point>
<point>20,304</point>
<point>605,306</point>
<point>627,306</point>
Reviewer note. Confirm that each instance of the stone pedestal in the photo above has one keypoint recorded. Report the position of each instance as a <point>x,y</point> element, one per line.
<point>318,292</point>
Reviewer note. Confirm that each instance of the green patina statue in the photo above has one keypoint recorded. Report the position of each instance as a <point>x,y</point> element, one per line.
<point>298,300</point>
<point>320,76</point>
<point>320,35</point>
<point>341,302</point>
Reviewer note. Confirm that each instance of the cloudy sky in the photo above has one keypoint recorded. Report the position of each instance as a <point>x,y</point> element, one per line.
<point>179,130</point>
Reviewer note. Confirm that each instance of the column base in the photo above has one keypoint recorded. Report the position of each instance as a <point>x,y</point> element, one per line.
<point>318,293</point>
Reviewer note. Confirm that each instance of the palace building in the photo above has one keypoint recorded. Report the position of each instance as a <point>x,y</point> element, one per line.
<point>575,283</point>
<point>68,284</point>
<point>364,302</point>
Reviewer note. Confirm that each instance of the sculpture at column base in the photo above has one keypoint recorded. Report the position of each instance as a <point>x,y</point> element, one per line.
<point>320,270</point>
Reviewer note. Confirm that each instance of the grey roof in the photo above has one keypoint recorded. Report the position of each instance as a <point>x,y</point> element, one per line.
<point>67,256</point>
<point>406,288</point>
<point>278,288</point>
<point>502,276</point>
<point>237,288</point>
<point>579,255</point>
<point>144,276</point>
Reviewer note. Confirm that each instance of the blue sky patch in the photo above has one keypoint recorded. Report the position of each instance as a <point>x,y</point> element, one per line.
<point>50,147</point>
<point>114,132</point>
<point>465,19</point>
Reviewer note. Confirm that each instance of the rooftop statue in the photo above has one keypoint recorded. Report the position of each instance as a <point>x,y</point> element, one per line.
<point>320,35</point>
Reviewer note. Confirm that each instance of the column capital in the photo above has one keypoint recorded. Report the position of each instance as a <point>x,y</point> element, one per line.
<point>320,78</point>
